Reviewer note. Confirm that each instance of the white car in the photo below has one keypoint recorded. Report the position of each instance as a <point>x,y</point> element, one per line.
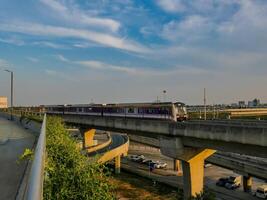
<point>160,165</point>
<point>137,158</point>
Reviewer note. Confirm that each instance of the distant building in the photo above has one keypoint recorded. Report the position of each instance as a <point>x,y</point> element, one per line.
<point>242,104</point>
<point>234,105</point>
<point>250,104</point>
<point>254,103</point>
<point>3,102</point>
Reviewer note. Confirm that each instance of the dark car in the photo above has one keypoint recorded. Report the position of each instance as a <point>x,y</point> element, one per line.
<point>222,182</point>
<point>147,162</point>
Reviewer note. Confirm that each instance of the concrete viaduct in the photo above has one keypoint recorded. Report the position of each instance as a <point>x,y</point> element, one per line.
<point>190,142</point>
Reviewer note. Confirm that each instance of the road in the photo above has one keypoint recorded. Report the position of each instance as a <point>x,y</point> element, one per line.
<point>168,176</point>
<point>116,141</point>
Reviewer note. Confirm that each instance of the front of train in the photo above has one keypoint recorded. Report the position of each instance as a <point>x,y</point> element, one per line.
<point>181,111</point>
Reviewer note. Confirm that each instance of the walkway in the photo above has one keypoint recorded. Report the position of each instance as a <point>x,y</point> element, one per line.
<point>13,141</point>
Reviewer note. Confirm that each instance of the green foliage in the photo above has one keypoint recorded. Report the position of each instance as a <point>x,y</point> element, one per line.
<point>27,155</point>
<point>69,175</point>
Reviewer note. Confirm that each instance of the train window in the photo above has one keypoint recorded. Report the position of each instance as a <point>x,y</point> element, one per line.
<point>130,110</point>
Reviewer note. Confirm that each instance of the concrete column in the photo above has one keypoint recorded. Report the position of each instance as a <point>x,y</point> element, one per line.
<point>177,166</point>
<point>117,164</point>
<point>88,137</point>
<point>193,173</point>
<point>247,183</point>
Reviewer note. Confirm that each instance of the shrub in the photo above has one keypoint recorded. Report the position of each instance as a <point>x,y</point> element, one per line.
<point>69,174</point>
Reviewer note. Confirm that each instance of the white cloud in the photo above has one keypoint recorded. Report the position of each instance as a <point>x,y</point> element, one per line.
<point>190,28</point>
<point>249,15</point>
<point>173,6</point>
<point>50,72</point>
<point>49,44</point>
<point>141,71</point>
<point>55,31</point>
<point>62,58</point>
<point>73,14</point>
<point>60,74</point>
<point>12,40</point>
<point>32,59</point>
<point>4,63</point>
<point>93,64</point>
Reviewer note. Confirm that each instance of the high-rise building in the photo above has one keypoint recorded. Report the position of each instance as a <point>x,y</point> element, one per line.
<point>256,102</point>
<point>3,102</point>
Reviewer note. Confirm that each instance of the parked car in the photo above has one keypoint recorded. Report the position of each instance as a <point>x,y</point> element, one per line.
<point>221,182</point>
<point>261,192</point>
<point>206,165</point>
<point>233,182</point>
<point>147,161</point>
<point>160,165</point>
<point>137,158</point>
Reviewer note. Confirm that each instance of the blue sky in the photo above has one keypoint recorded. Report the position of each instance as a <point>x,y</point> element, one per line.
<point>78,51</point>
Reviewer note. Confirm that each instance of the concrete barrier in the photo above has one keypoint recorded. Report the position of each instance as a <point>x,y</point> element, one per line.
<point>121,150</point>
<point>100,146</point>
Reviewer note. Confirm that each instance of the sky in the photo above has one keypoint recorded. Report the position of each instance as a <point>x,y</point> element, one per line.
<point>108,51</point>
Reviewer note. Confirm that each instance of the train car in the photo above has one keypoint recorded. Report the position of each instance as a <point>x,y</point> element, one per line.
<point>164,110</point>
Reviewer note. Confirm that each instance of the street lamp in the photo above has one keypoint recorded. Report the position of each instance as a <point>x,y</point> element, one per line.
<point>11,91</point>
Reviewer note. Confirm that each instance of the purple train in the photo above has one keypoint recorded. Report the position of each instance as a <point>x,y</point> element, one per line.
<point>165,110</point>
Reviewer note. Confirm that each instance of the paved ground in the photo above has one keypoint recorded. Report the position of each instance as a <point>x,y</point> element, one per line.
<point>13,141</point>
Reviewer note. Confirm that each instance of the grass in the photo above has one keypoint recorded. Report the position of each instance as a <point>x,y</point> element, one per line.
<point>129,186</point>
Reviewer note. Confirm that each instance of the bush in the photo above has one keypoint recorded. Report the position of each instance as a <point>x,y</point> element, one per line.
<point>68,174</point>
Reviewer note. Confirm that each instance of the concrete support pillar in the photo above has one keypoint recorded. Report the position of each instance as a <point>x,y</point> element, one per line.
<point>177,166</point>
<point>88,137</point>
<point>193,173</point>
<point>247,183</point>
<point>117,164</point>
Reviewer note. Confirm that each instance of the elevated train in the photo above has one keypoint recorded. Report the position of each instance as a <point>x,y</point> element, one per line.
<point>165,110</point>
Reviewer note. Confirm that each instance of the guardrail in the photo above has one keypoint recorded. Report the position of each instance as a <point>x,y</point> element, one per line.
<point>35,183</point>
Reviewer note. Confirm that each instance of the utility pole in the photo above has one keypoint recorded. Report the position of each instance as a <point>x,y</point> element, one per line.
<point>164,95</point>
<point>213,111</point>
<point>205,109</point>
<point>11,93</point>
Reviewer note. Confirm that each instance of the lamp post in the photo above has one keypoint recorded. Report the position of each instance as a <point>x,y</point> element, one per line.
<point>11,92</point>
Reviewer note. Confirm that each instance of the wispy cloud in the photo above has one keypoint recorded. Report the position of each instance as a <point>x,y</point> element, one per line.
<point>12,40</point>
<point>4,64</point>
<point>76,15</point>
<point>195,26</point>
<point>60,74</point>
<point>93,64</point>
<point>171,5</point>
<point>140,71</point>
<point>50,44</point>
<point>58,31</point>
<point>62,58</point>
<point>32,59</point>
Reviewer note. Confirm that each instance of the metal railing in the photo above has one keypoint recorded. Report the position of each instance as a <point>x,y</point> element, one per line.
<point>35,183</point>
